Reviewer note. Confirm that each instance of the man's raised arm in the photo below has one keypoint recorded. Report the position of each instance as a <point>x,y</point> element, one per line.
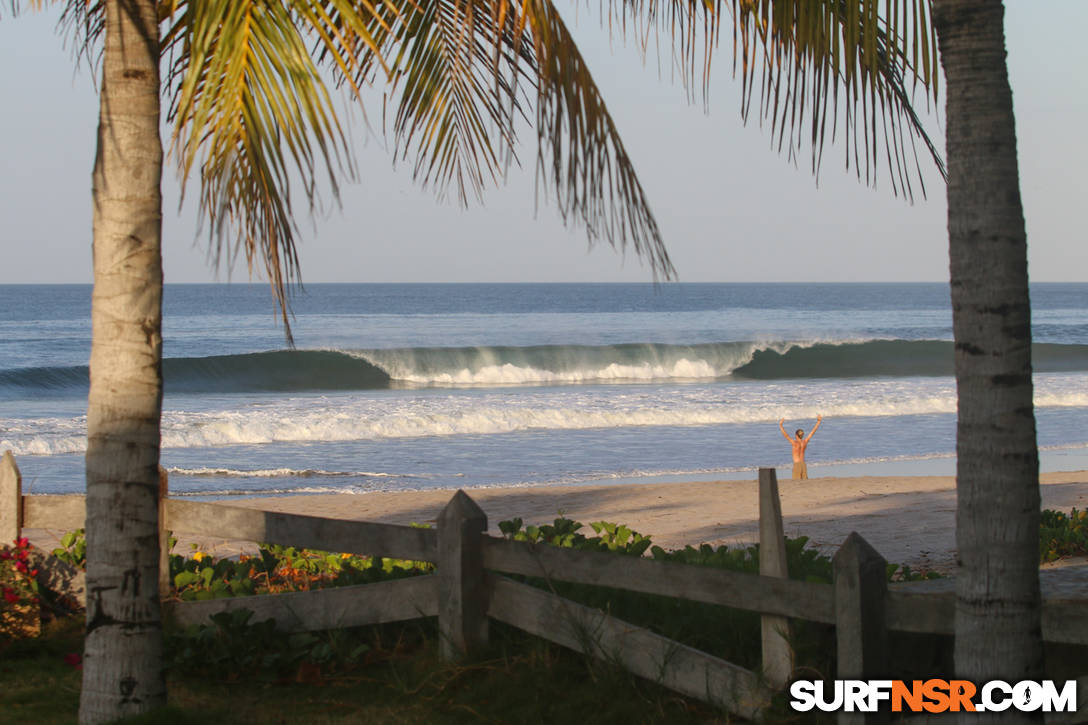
<point>819,419</point>
<point>783,429</point>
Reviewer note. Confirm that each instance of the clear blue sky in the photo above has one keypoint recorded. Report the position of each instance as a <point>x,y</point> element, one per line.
<point>730,208</point>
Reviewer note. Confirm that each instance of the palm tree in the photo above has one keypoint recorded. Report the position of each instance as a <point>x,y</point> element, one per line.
<point>998,612</point>
<point>124,634</point>
<point>245,89</point>
<point>250,111</point>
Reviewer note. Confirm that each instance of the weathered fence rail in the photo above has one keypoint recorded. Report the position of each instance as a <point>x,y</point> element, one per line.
<point>245,524</point>
<point>354,606</point>
<point>468,588</point>
<point>754,592</point>
<point>591,631</point>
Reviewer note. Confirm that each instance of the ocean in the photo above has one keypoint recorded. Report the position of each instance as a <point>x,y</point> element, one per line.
<point>414,386</point>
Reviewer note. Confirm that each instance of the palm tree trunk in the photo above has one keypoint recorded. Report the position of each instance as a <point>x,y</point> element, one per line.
<point>998,632</point>
<point>122,671</point>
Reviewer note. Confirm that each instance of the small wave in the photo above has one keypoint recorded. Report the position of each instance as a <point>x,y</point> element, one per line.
<point>281,473</point>
<point>254,492</point>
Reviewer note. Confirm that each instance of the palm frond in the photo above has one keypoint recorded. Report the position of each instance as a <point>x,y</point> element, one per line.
<point>581,154</point>
<point>251,111</point>
<point>468,73</point>
<point>797,59</point>
<point>807,52</point>
<point>457,97</point>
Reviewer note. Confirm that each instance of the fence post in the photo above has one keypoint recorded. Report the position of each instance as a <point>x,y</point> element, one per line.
<point>861,585</point>
<point>164,538</point>
<point>778,656</point>
<point>462,587</point>
<point>11,500</point>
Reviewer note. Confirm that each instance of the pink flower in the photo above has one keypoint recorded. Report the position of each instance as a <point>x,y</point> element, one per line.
<point>22,567</point>
<point>5,555</point>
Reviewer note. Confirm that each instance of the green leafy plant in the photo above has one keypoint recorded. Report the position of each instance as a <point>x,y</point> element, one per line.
<point>281,569</point>
<point>234,646</point>
<point>802,561</point>
<point>73,549</point>
<point>1062,534</point>
<point>567,533</point>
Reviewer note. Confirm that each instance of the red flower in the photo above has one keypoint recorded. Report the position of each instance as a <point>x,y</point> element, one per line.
<point>10,596</point>
<point>22,567</point>
<point>22,543</point>
<point>5,555</point>
<point>74,659</point>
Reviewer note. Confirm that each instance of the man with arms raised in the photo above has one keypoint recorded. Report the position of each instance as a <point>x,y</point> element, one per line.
<point>800,443</point>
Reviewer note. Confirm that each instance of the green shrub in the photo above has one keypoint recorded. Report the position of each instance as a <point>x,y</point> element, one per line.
<point>1063,534</point>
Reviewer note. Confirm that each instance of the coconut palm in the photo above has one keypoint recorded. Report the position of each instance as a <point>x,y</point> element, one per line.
<point>998,613</point>
<point>248,101</point>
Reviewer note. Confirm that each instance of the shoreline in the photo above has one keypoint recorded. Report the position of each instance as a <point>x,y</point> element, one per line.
<point>909,519</point>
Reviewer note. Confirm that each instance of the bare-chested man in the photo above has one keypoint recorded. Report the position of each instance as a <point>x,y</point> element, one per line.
<point>800,443</point>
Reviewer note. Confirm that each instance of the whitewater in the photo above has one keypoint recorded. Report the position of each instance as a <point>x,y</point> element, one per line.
<point>415,386</point>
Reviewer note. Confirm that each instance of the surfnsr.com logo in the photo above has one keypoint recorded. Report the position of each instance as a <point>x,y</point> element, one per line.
<point>933,696</point>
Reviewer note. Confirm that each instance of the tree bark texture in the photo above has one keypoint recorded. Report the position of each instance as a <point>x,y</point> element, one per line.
<point>122,671</point>
<point>998,630</point>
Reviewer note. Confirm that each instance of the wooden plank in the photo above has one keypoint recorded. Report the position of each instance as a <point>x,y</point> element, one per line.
<point>929,606</point>
<point>462,590</point>
<point>1066,622</point>
<point>312,532</point>
<point>907,611</point>
<point>1065,604</point>
<point>778,657</point>
<point>768,595</point>
<point>861,587</point>
<point>354,606</point>
<point>656,658</point>
<point>62,513</point>
<point>166,586</point>
<point>11,500</point>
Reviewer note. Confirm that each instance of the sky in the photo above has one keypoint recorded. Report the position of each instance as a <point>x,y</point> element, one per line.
<point>731,209</point>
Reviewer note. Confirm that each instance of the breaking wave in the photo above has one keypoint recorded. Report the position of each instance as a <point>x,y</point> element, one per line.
<point>317,370</point>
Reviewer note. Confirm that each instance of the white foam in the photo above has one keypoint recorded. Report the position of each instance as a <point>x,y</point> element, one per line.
<point>407,414</point>
<point>482,366</point>
<point>509,374</point>
<point>279,473</point>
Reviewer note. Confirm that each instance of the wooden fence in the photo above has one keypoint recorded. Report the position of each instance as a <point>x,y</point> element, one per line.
<point>468,589</point>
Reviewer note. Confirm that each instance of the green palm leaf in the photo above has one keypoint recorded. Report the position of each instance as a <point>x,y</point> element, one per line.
<point>808,51</point>
<point>468,73</point>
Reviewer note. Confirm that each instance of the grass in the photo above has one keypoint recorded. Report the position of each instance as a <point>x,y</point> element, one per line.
<point>401,679</point>
<point>38,686</point>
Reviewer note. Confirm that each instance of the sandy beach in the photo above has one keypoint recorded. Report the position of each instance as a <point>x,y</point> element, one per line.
<point>909,519</point>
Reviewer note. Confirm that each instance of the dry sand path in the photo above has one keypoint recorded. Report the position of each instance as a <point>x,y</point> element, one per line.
<point>909,519</point>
